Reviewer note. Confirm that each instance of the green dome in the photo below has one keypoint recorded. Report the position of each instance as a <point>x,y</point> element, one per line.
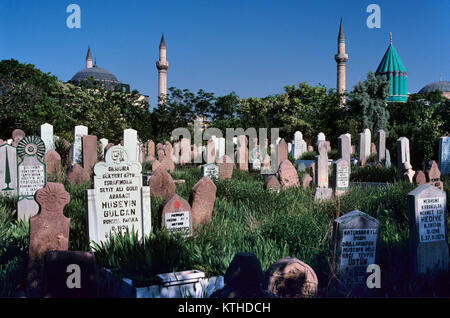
<point>392,66</point>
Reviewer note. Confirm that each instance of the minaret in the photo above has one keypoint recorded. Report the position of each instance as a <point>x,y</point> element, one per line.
<point>341,58</point>
<point>162,65</point>
<point>89,58</point>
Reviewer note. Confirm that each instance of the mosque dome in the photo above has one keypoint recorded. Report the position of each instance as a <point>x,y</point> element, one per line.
<point>98,74</point>
<point>443,86</point>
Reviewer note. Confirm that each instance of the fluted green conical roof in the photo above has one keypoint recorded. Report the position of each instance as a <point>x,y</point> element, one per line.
<point>391,62</point>
<point>392,66</point>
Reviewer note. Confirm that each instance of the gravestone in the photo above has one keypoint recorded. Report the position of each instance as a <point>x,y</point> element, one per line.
<point>176,215</point>
<point>367,142</point>
<point>8,170</point>
<point>150,148</point>
<point>419,178</point>
<point>185,156</point>
<point>427,206</point>
<point>202,198</point>
<point>282,152</point>
<point>291,278</point>
<point>434,175</point>
<point>256,164</point>
<point>312,171</point>
<point>31,175</point>
<point>288,175</point>
<point>306,181</point>
<point>49,231</point>
<point>60,275</point>
<point>161,184</point>
<point>242,153</point>
<point>168,150</point>
<point>210,170</point>
<point>168,164</point>
<point>321,165</point>
<point>131,145</point>
<point>222,147</point>
<point>362,149</point>
<point>89,148</point>
<point>78,175</point>
<point>160,154</point>
<point>118,201</point>
<point>344,147</point>
<point>373,149</point>
<point>47,136</point>
<point>387,163</point>
<point>381,145</point>
<point>341,176</point>
<point>297,149</point>
<point>289,147</point>
<point>52,161</point>
<point>155,165</point>
<point>77,148</point>
<point>402,154</point>
<point>272,184</point>
<point>210,151</point>
<point>226,166</point>
<point>17,134</point>
<point>354,244</point>
<point>444,155</point>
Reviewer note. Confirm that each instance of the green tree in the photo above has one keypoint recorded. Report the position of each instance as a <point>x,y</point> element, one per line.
<point>368,102</point>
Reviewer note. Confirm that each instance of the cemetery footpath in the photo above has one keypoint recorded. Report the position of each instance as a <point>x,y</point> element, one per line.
<point>137,229</point>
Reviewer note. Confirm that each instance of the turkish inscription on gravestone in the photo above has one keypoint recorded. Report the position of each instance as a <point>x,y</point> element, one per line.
<point>355,234</point>
<point>178,222</point>
<point>358,251</point>
<point>210,170</point>
<point>342,177</point>
<point>118,201</point>
<point>431,219</point>
<point>444,155</point>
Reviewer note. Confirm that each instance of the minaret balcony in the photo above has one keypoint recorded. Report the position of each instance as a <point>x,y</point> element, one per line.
<point>341,58</point>
<point>160,65</point>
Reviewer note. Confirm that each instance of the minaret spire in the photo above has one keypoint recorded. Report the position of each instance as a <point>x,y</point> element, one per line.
<point>390,37</point>
<point>89,58</point>
<point>341,58</point>
<point>162,65</point>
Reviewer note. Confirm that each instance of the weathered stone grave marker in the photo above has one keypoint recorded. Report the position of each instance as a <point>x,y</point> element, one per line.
<point>47,136</point>
<point>176,215</point>
<point>203,196</point>
<point>49,231</point>
<point>345,147</point>
<point>31,174</point>
<point>381,145</point>
<point>355,237</point>
<point>77,148</point>
<point>427,206</point>
<point>211,170</point>
<point>444,155</point>
<point>341,173</point>
<point>8,170</point>
<point>118,201</point>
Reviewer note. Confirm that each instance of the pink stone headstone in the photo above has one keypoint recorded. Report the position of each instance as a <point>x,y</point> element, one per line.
<point>53,162</point>
<point>203,196</point>
<point>49,230</point>
<point>176,215</point>
<point>161,184</point>
<point>78,175</point>
<point>226,166</point>
<point>17,134</point>
<point>288,175</point>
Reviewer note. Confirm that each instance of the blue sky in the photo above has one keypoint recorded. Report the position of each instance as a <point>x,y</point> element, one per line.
<point>252,47</point>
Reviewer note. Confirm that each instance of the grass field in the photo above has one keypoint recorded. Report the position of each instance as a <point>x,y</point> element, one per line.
<point>246,218</point>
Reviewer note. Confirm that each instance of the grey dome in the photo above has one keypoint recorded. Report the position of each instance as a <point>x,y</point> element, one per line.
<point>443,86</point>
<point>97,73</point>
